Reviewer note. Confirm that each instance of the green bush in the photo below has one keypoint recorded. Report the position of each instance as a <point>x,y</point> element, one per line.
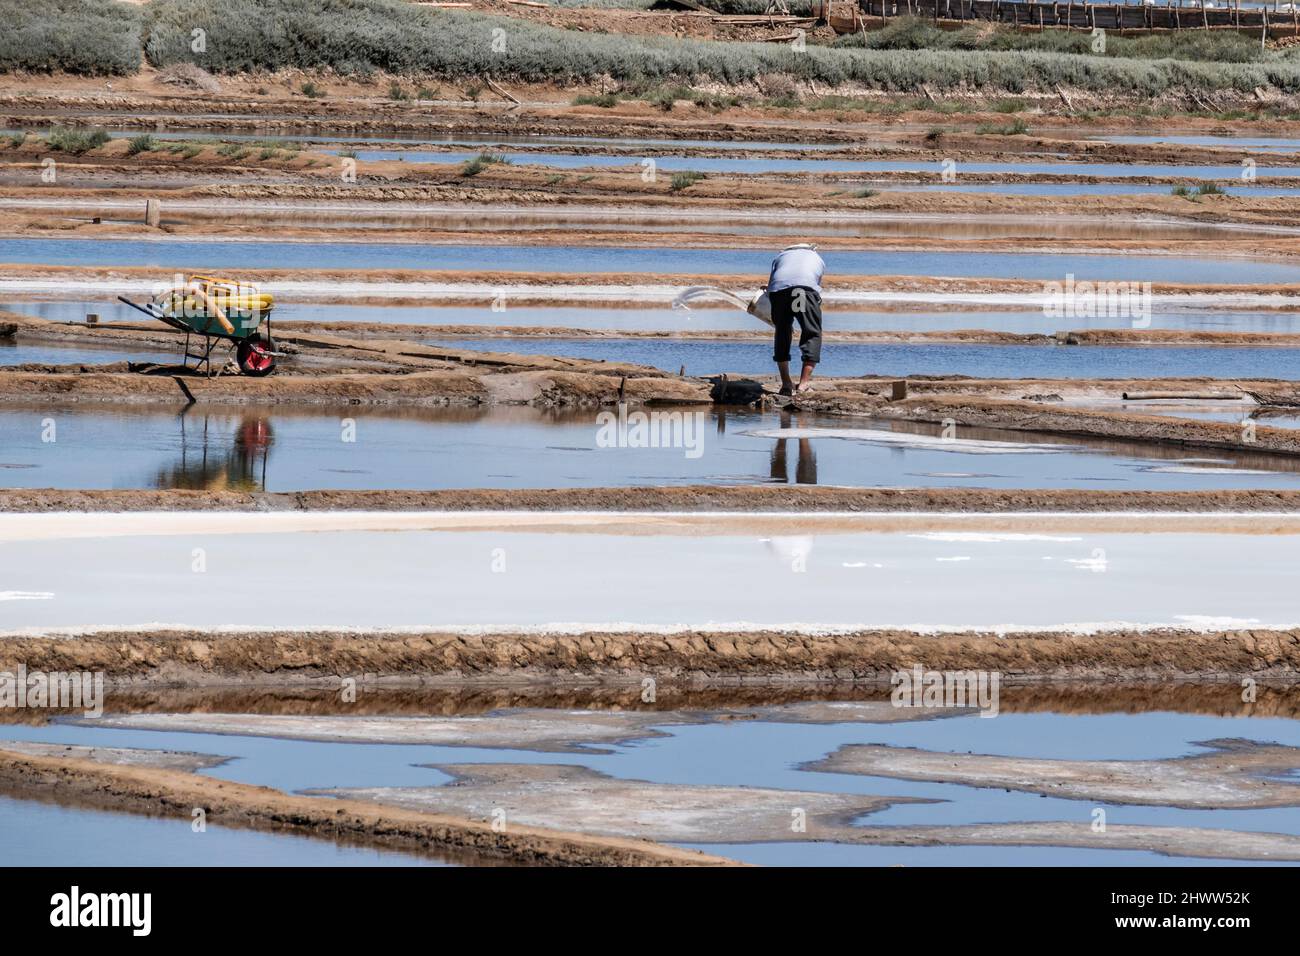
<point>914,33</point>
<point>603,100</point>
<point>143,143</point>
<point>76,141</point>
<point>683,179</point>
<point>358,37</point>
<point>481,162</point>
<point>1016,127</point>
<point>89,37</point>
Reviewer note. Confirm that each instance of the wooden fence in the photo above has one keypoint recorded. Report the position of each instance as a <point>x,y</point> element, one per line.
<point>1087,16</point>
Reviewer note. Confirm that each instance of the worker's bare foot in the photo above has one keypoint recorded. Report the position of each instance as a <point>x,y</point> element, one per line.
<point>787,389</point>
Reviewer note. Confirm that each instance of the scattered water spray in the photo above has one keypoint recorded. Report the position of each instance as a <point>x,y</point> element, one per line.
<point>757,305</point>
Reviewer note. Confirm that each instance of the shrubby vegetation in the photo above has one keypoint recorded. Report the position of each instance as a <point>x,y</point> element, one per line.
<point>914,33</point>
<point>355,37</point>
<point>144,143</point>
<point>93,37</point>
<point>76,141</point>
<point>685,178</point>
<point>362,37</point>
<point>481,162</point>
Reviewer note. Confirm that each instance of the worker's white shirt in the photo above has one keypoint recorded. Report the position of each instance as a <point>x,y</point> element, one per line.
<point>796,267</point>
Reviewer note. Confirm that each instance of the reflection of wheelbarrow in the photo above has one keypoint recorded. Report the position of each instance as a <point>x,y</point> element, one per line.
<point>212,458</point>
<point>218,310</point>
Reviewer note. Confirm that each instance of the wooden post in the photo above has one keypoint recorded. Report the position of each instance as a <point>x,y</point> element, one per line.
<point>152,213</point>
<point>92,318</point>
<point>898,391</point>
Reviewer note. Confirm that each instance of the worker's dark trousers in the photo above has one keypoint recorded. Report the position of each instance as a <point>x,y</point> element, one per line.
<point>805,306</point>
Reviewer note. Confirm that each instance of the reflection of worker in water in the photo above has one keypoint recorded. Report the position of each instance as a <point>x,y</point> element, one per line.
<point>805,465</point>
<point>795,288</point>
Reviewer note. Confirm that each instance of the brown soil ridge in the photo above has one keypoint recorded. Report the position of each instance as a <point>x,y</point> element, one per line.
<point>40,223</point>
<point>374,337</point>
<point>803,499</point>
<point>1084,337</point>
<point>1049,419</point>
<point>177,793</point>
<point>286,657</point>
<point>1220,699</point>
<point>424,386</point>
<point>517,279</point>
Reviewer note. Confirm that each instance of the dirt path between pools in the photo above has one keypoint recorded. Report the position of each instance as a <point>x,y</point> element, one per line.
<point>982,506</point>
<point>55,224</point>
<point>482,285</point>
<point>282,658</point>
<point>757,333</point>
<point>1279,698</point>
<point>1233,774</point>
<point>376,338</point>
<point>176,793</point>
<point>315,174</point>
<point>273,104</point>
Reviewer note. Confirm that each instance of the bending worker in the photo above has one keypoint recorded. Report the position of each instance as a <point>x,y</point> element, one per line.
<point>795,289</point>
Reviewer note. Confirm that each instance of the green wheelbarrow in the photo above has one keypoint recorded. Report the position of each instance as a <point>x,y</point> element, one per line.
<point>217,310</point>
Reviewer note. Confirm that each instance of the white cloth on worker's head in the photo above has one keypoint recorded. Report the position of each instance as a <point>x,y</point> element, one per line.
<point>796,266</point>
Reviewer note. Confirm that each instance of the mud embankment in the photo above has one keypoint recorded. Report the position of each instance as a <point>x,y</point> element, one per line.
<point>1234,774</point>
<point>420,286</point>
<point>758,499</point>
<point>134,657</point>
<point>971,336</point>
<point>175,793</point>
<point>379,337</point>
<point>1052,419</point>
<point>1276,699</point>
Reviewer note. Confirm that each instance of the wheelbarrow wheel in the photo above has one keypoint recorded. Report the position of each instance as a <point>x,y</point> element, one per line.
<point>254,355</point>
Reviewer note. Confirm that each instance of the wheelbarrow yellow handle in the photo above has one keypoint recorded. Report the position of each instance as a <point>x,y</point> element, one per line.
<point>213,309</point>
